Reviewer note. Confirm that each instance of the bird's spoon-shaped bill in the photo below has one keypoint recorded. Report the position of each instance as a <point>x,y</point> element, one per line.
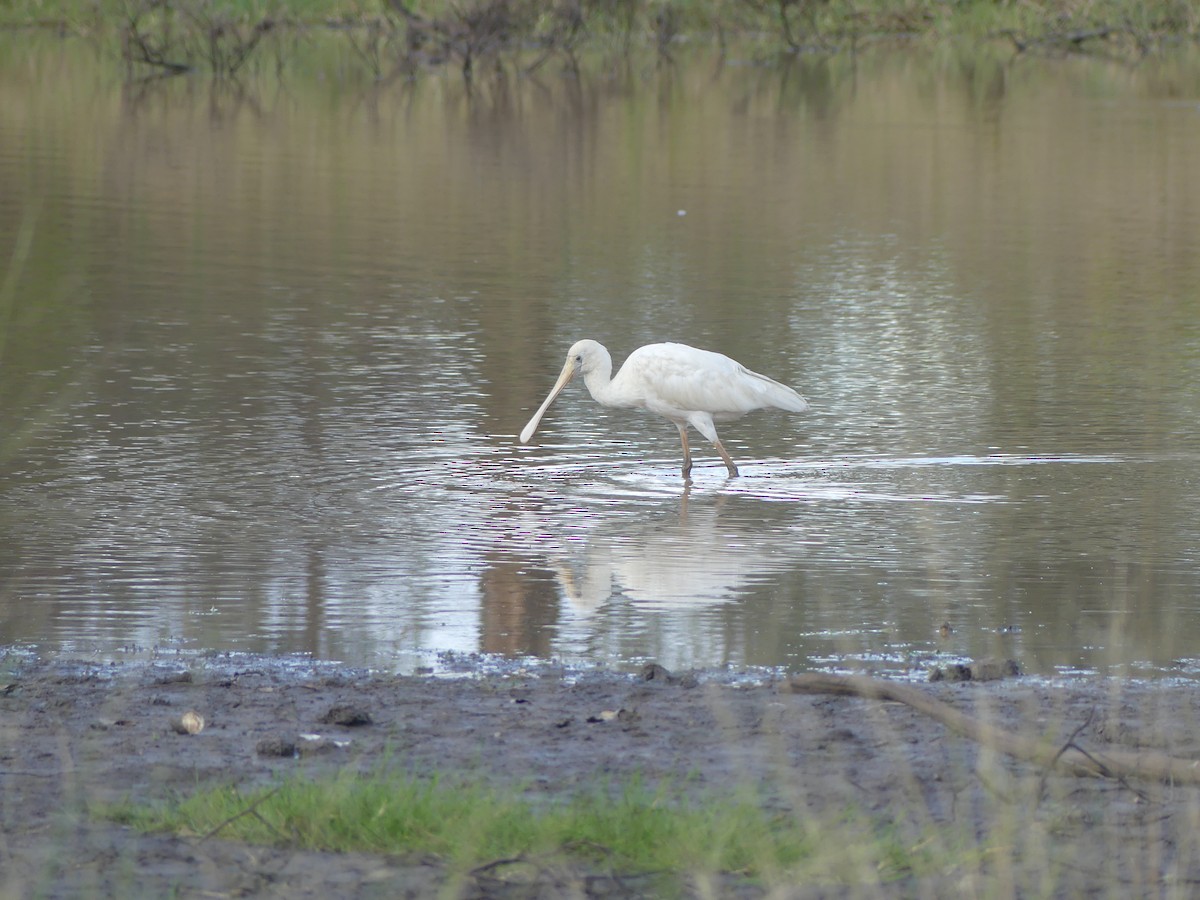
<point>564,378</point>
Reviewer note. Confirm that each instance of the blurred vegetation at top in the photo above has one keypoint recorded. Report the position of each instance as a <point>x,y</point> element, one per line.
<point>403,36</point>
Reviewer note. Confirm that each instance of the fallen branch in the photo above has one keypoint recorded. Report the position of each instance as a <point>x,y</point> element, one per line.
<point>1074,39</point>
<point>1114,764</point>
<point>1070,744</point>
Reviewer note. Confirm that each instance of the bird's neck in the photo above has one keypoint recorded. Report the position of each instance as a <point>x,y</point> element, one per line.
<point>605,389</point>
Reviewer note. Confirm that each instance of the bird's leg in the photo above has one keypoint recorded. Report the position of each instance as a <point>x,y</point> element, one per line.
<point>733,470</point>
<point>687,453</point>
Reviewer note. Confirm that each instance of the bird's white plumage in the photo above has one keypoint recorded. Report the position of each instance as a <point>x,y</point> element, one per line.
<point>688,379</point>
<point>687,385</point>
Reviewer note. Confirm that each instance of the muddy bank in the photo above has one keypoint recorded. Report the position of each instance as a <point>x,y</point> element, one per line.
<point>74,737</point>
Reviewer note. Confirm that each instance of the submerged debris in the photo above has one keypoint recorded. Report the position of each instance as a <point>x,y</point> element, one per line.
<point>346,714</point>
<point>276,745</point>
<point>655,672</point>
<point>980,670</point>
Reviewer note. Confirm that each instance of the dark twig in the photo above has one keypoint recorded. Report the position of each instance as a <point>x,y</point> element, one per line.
<point>251,810</point>
<point>1067,745</point>
<point>499,863</point>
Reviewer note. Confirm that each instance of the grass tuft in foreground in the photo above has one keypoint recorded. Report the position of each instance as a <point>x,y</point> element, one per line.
<point>633,829</point>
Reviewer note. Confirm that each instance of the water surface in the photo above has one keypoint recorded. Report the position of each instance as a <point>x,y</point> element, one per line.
<point>265,350</point>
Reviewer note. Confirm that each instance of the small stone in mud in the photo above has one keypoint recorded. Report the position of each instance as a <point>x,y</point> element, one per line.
<point>980,670</point>
<point>276,745</point>
<point>317,746</point>
<point>346,714</point>
<point>184,677</point>
<point>655,672</point>
<point>191,722</point>
<point>994,669</point>
<point>628,716</point>
<point>623,715</point>
<point>953,672</point>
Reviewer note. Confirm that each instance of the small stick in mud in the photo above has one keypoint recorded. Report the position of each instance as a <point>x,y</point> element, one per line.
<point>251,810</point>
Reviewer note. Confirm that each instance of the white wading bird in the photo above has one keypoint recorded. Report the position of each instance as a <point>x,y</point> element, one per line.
<point>686,385</point>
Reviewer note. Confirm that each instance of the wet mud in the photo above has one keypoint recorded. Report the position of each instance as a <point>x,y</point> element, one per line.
<point>74,737</point>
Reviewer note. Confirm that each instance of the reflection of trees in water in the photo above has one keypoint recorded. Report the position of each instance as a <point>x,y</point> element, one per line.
<point>519,608</point>
<point>173,37</point>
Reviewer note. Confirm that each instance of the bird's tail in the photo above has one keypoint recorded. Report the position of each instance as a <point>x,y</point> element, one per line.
<point>786,398</point>
<point>777,395</point>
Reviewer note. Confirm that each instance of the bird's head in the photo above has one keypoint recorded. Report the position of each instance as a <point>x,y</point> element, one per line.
<point>583,358</point>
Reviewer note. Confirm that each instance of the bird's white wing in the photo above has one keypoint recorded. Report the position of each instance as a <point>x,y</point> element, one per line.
<point>688,379</point>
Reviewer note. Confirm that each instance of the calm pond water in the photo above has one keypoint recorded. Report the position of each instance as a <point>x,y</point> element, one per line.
<point>265,351</point>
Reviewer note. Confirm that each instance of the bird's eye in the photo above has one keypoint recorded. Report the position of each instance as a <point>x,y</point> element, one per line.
<point>579,358</point>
